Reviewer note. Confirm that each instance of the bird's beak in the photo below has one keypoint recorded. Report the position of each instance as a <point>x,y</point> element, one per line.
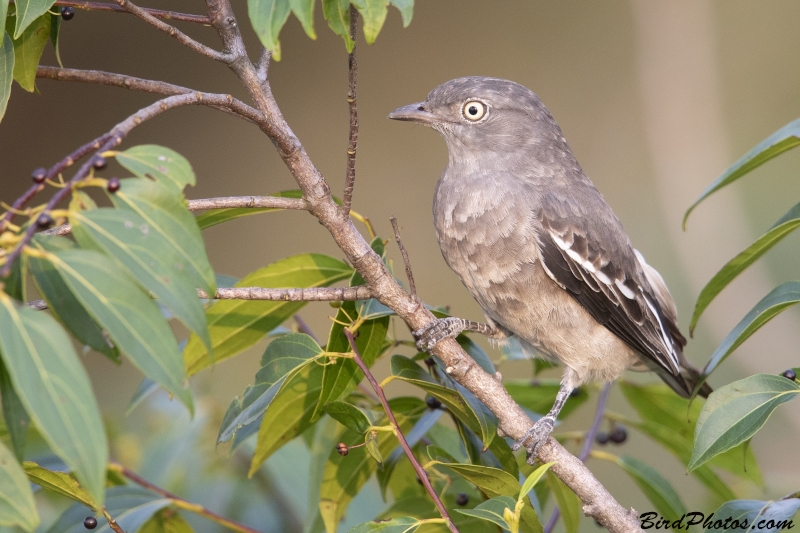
<point>413,113</point>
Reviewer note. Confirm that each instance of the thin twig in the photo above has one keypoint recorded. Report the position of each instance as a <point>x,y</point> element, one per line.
<point>403,252</point>
<point>174,32</point>
<point>262,68</point>
<point>302,327</point>
<point>352,69</point>
<point>111,522</point>
<point>421,473</point>
<point>181,503</point>
<point>234,106</point>
<point>588,441</point>
<point>112,140</point>
<point>158,13</point>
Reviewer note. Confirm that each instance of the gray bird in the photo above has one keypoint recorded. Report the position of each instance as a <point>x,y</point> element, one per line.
<point>539,248</point>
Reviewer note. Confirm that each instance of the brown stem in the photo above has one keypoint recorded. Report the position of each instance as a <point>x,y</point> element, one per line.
<point>352,69</point>
<point>158,13</point>
<point>421,473</point>
<point>181,503</point>
<point>234,106</point>
<point>409,274</point>
<point>111,522</point>
<point>174,32</point>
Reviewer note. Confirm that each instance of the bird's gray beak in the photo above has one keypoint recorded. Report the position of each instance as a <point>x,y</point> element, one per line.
<point>413,113</point>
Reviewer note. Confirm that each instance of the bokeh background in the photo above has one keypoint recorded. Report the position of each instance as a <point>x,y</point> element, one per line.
<point>655,98</point>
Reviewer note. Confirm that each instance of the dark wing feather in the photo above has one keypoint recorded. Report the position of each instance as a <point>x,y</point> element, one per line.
<point>592,259</point>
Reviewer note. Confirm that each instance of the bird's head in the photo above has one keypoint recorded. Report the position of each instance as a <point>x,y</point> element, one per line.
<point>480,117</point>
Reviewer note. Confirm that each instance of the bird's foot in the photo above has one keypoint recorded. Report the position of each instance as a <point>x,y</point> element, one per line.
<point>536,437</point>
<point>437,331</point>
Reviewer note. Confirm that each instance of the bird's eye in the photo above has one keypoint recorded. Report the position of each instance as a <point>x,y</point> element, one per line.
<point>474,110</point>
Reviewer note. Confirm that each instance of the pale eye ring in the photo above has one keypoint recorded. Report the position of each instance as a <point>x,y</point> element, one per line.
<point>474,110</point>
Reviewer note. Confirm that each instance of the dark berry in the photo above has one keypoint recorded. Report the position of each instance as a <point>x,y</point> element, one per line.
<point>601,437</point>
<point>576,391</point>
<point>67,12</point>
<point>113,185</point>
<point>39,175</point>
<point>342,449</point>
<point>430,361</point>
<point>99,163</point>
<point>462,499</point>
<point>790,374</point>
<point>419,480</point>
<point>89,522</point>
<point>44,221</point>
<point>433,403</point>
<point>618,435</point>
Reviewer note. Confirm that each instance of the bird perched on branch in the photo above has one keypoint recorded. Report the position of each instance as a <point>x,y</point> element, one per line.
<point>539,248</point>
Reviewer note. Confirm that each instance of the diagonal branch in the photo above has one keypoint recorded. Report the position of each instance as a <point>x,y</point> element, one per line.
<point>235,107</point>
<point>158,13</point>
<point>174,32</point>
<point>421,473</point>
<point>352,70</point>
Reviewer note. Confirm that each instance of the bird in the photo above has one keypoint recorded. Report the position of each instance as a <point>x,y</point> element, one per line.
<point>540,249</point>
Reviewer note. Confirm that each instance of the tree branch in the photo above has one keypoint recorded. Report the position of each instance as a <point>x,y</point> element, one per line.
<point>352,144</point>
<point>180,502</point>
<point>234,106</point>
<point>421,473</point>
<point>409,273</point>
<point>174,32</point>
<point>598,502</point>
<point>158,13</point>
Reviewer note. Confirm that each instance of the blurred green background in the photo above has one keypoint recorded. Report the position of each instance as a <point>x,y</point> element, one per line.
<point>655,98</point>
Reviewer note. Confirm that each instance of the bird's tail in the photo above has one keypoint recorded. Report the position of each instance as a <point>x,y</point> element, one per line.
<point>687,380</point>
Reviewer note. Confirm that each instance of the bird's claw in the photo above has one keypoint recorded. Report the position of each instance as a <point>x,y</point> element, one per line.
<point>436,331</point>
<point>535,437</point>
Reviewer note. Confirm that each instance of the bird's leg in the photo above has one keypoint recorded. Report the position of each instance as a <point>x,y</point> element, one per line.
<point>442,328</point>
<point>537,435</point>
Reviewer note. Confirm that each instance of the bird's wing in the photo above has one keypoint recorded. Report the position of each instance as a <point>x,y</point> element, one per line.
<point>590,256</point>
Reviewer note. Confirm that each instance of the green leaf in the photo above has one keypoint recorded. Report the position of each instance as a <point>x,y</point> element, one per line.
<point>492,510</point>
<point>371,444</point>
<point>267,18</point>
<point>568,503</point>
<point>28,50</point>
<point>145,389</point>
<point>14,283</point>
<point>6,70</point>
<point>29,11</point>
<point>55,390</point>
<point>495,482</point>
<point>159,163</point>
<point>337,13</point>
<point>406,8</point>
<point>289,413</point>
<point>304,11</point>
<point>473,413</point>
<point>401,524</point>
<point>119,500</point>
<point>164,209</point>
<point>134,518</point>
<point>374,14</point>
<point>655,486</point>
<point>166,521</point>
<point>131,318</point>
<point>14,414</point>
<point>671,420</point>
<point>784,139</point>
<point>212,217</point>
<point>17,507</point>
<point>283,357</point>
<point>758,515</point>
<point>344,476</point>
<point>59,482</point>
<point>349,416</point>
<point>735,412</point>
<point>532,479</point>
<point>778,300</point>
<point>343,376</point>
<point>235,325</point>
<point>783,227</point>
<point>55,30</point>
<point>145,253</point>
<point>540,394</point>
<point>3,10</point>
<point>477,353</point>
<point>60,300</point>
